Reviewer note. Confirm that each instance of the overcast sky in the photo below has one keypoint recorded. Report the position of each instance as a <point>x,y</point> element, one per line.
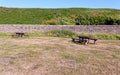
<point>61,3</point>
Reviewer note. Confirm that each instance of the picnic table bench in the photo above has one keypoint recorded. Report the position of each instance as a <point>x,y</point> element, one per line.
<point>84,39</point>
<point>19,34</point>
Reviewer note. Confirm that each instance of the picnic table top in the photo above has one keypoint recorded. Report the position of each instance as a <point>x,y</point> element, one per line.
<point>86,37</point>
<point>19,32</point>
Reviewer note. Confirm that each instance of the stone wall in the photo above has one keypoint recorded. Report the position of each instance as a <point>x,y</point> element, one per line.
<point>80,28</point>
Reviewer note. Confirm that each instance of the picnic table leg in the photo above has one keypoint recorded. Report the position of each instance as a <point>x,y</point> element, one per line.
<point>80,40</point>
<point>73,39</point>
<point>95,41</point>
<point>85,43</point>
<point>88,41</point>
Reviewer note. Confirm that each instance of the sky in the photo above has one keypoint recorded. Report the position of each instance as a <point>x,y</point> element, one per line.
<point>115,4</point>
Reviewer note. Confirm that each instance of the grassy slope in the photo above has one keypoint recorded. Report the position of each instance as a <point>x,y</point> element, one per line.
<point>44,16</point>
<point>58,56</point>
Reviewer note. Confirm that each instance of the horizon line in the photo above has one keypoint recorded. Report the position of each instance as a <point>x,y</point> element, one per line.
<point>58,7</point>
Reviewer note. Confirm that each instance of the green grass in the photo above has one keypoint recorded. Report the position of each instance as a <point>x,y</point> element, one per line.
<point>103,36</point>
<point>4,34</point>
<point>61,33</point>
<point>51,16</point>
<point>68,34</point>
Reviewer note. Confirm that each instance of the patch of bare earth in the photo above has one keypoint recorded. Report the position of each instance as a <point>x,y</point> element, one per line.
<point>58,56</point>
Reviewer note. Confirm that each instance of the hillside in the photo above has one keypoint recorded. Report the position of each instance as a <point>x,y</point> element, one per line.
<point>66,16</point>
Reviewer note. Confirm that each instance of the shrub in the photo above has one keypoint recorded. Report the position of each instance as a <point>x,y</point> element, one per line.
<point>96,20</point>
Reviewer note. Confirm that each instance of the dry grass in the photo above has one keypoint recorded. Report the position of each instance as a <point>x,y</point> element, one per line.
<point>58,56</point>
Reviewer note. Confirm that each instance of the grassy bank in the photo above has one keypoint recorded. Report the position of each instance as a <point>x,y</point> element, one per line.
<point>68,34</point>
<point>56,16</point>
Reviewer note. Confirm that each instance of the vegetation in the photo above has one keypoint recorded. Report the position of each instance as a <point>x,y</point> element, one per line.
<point>96,20</point>
<point>58,56</point>
<point>70,16</point>
<point>68,34</point>
<point>61,33</point>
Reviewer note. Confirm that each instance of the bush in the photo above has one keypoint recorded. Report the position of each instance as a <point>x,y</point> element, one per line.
<point>96,20</point>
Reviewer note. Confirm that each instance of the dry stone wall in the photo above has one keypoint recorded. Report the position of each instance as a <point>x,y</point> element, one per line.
<point>76,28</point>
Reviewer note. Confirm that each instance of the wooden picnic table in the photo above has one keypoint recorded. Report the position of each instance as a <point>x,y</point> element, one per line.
<point>84,39</point>
<point>19,34</point>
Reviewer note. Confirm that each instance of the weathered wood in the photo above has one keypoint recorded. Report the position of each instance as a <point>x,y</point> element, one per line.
<point>75,39</point>
<point>84,39</point>
<point>19,34</point>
